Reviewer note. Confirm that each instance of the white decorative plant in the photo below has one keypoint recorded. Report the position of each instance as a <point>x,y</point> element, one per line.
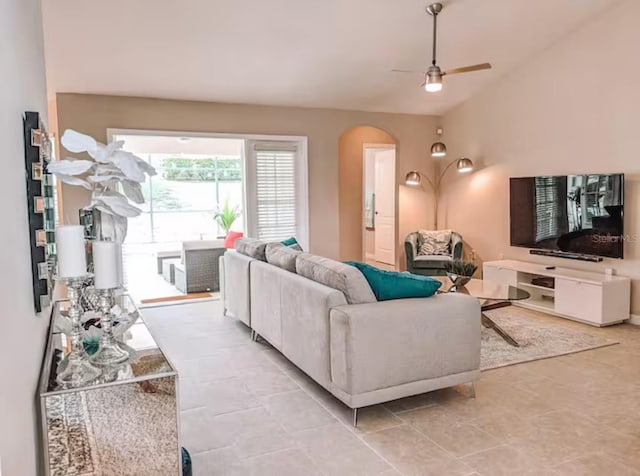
<point>111,167</point>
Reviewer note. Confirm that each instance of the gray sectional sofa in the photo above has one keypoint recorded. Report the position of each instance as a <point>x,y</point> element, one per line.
<point>323,316</point>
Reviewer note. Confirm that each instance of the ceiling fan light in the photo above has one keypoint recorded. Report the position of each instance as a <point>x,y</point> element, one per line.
<point>438,149</point>
<point>433,85</point>
<point>464,165</point>
<point>412,178</point>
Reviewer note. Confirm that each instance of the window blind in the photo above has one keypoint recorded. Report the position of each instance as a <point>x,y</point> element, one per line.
<point>276,208</point>
<point>550,207</point>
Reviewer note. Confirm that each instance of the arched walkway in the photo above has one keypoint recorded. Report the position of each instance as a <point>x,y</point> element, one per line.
<point>351,187</point>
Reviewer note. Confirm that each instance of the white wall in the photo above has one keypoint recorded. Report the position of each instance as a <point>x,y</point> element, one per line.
<point>572,109</point>
<point>22,334</point>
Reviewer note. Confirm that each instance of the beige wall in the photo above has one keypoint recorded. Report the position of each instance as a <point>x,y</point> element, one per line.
<point>22,336</point>
<point>414,134</point>
<point>573,109</point>
<point>351,193</point>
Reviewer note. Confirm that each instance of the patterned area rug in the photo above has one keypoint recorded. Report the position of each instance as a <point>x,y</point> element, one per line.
<point>538,339</point>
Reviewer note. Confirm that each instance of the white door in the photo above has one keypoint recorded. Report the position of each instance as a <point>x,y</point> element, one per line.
<point>385,184</point>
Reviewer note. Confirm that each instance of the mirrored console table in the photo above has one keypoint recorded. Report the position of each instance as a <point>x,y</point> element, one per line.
<point>126,422</point>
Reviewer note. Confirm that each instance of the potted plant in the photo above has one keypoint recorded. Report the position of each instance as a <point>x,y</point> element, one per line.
<point>460,272</point>
<point>226,216</point>
<point>112,175</point>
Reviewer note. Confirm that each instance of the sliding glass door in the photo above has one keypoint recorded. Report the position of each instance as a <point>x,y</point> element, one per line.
<point>182,199</point>
<point>264,178</point>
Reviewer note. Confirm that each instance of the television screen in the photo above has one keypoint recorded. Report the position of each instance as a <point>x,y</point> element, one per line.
<point>570,213</point>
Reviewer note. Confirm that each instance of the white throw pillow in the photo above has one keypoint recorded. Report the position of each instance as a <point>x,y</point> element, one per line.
<point>434,242</point>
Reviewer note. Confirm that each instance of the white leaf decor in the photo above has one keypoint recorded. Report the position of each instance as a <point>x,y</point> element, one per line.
<point>71,180</point>
<point>128,164</point>
<point>117,203</point>
<point>110,166</point>
<point>103,178</point>
<point>70,167</point>
<point>146,166</point>
<point>76,142</point>
<point>133,191</point>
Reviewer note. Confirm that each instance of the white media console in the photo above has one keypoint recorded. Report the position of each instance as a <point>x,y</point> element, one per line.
<point>592,298</point>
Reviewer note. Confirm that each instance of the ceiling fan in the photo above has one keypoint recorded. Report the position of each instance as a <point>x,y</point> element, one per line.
<point>433,76</point>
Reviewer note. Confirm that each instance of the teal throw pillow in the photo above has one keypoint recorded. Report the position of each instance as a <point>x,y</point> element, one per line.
<point>292,243</point>
<point>387,285</point>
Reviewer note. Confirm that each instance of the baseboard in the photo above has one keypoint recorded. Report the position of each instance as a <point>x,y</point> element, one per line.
<point>634,319</point>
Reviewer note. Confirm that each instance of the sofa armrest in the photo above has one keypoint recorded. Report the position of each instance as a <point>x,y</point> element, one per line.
<point>456,246</point>
<point>389,343</point>
<point>411,249</point>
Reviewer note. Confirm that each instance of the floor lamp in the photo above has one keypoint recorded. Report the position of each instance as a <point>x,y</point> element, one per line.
<point>463,164</point>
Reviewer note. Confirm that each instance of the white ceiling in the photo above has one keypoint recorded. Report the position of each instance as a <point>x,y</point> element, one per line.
<point>316,53</point>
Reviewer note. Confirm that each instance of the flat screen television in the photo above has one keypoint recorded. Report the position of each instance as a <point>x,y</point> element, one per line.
<point>569,213</point>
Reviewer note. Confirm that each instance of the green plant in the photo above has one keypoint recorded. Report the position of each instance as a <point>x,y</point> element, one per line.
<point>461,268</point>
<point>185,169</point>
<point>226,216</point>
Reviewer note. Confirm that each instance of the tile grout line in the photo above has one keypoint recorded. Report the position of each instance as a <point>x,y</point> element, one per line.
<point>339,420</point>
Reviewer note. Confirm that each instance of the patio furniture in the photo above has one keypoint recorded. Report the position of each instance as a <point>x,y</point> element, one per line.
<point>168,269</point>
<point>163,255</point>
<point>199,269</point>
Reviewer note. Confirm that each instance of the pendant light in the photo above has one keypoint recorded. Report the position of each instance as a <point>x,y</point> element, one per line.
<point>438,149</point>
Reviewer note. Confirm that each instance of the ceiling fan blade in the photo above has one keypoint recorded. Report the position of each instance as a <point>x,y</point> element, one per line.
<point>469,69</point>
<point>405,71</point>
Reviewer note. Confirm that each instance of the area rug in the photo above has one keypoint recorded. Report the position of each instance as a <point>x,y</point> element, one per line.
<point>538,339</point>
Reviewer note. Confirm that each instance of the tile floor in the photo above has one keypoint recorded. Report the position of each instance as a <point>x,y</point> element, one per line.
<point>245,410</point>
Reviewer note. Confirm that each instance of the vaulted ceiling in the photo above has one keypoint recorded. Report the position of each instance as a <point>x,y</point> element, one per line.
<point>314,53</point>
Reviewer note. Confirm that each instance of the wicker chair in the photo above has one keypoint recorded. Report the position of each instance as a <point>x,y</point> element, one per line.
<point>199,270</point>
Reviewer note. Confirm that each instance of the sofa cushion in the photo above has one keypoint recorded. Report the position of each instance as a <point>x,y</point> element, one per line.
<point>431,261</point>
<point>388,285</point>
<point>252,248</point>
<point>336,275</point>
<point>434,242</point>
<point>282,256</point>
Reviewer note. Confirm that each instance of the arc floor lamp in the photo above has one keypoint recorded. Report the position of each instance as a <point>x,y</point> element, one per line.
<point>414,177</point>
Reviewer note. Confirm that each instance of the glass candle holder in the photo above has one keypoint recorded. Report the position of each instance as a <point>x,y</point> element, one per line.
<point>76,371</point>
<point>109,351</point>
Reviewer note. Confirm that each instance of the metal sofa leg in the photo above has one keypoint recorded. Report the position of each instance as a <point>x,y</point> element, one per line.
<point>472,390</point>
<point>253,335</point>
<point>355,417</point>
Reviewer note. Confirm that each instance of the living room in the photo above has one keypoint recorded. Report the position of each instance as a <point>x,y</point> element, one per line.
<point>290,370</point>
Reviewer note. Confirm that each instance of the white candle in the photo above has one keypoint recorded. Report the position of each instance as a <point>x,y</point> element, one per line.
<point>106,269</point>
<point>120,268</point>
<point>70,250</point>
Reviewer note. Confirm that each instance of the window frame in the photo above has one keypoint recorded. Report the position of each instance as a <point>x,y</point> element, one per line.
<point>302,172</point>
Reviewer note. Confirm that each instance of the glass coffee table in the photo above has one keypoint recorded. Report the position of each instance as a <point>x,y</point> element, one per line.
<point>491,295</point>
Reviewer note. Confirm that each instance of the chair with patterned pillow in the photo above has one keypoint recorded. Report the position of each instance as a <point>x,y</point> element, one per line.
<point>428,251</point>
